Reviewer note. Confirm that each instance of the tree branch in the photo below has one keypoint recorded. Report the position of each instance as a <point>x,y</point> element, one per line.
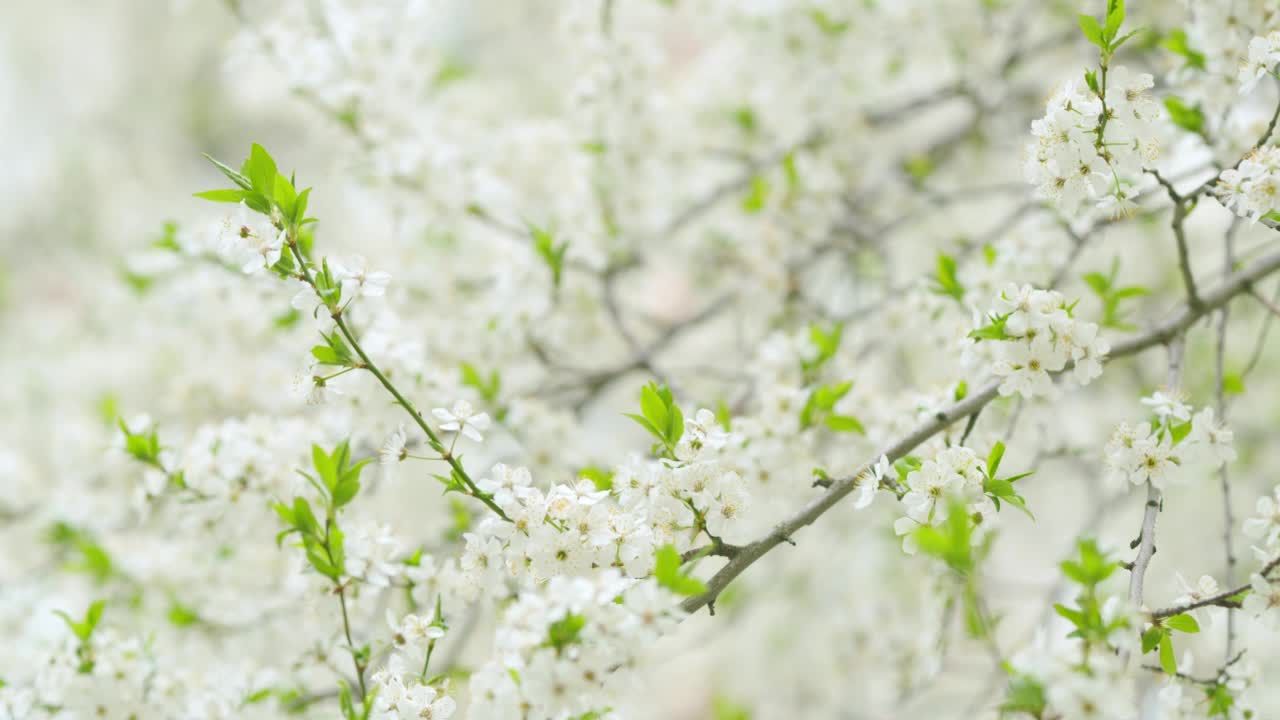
<point>1220,599</point>
<point>1159,334</point>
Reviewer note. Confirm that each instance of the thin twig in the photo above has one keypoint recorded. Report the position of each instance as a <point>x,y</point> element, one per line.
<point>1228,519</point>
<point>1223,598</point>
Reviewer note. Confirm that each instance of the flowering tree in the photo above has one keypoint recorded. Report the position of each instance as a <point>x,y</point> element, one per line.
<point>679,359</point>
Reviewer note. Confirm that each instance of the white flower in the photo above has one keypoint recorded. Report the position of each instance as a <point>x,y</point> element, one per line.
<point>251,239</point>
<point>728,506</point>
<point>1263,601</point>
<point>1168,406</point>
<point>702,432</point>
<point>1253,188</point>
<point>868,482</point>
<point>1212,439</point>
<point>928,486</point>
<point>464,419</point>
<point>1025,367</point>
<point>905,528</point>
<point>424,703</point>
<point>556,552</point>
<point>304,297</point>
<point>1155,461</point>
<point>1266,526</point>
<point>370,552</point>
<point>1264,54</point>
<point>356,280</point>
<point>313,388</point>
<point>392,450</point>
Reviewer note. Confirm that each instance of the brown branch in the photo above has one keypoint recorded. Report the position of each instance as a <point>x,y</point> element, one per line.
<point>1159,334</point>
<point>1222,599</point>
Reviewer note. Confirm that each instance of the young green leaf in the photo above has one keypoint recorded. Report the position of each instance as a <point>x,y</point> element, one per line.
<point>666,570</point>
<point>1183,623</point>
<point>1167,660</point>
<point>1093,30</point>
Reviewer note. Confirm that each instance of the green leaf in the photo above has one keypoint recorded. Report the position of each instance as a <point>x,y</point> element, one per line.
<point>1179,432</point>
<point>1092,567</point>
<point>285,196</point>
<point>337,549</point>
<point>344,701</point>
<point>181,616</point>
<point>325,355</point>
<point>757,195</point>
<point>488,389</point>
<point>1220,700</point>
<point>300,206</point>
<point>950,542</point>
<point>1115,17</point>
<point>1232,384</point>
<point>544,243</point>
<point>1075,617</point>
<point>1097,282</point>
<point>565,631</point>
<point>644,423</point>
<point>286,514</point>
<point>226,196</point>
<point>828,26</point>
<point>994,330</point>
<point>662,417</point>
<point>1021,503</point>
<point>1176,41</point>
<point>1151,638</point>
<point>1115,44</point>
<point>1091,79</point>
<point>1190,118</point>
<point>1093,31</point>
<point>666,570</point>
<point>83,629</point>
<point>999,488</point>
<point>304,519</point>
<point>944,280</point>
<point>232,175</point>
<point>918,167</point>
<point>1026,695</point>
<point>994,458</point>
<point>601,478</point>
<point>723,709</point>
<point>845,423</point>
<point>345,492</point>
<point>325,466</point>
<point>826,341</point>
<point>319,560</point>
<point>654,407</point>
<point>1183,623</point>
<point>1167,661</point>
<point>675,426</point>
<point>821,401</point>
<point>260,168</point>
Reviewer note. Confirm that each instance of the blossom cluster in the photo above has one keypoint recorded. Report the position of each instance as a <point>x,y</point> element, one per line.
<point>1093,142</point>
<point>571,530</point>
<point>1252,189</point>
<point>955,475</point>
<point>563,652</point>
<point>1038,337</point>
<point>1157,451</point>
<point>403,689</point>
<point>109,674</point>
